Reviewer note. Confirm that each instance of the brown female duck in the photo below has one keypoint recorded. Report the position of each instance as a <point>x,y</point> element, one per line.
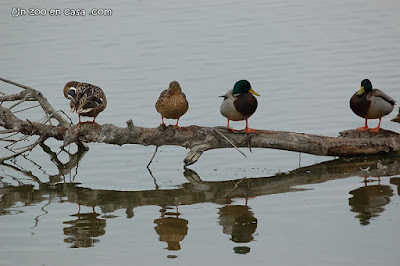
<point>172,103</point>
<point>86,99</point>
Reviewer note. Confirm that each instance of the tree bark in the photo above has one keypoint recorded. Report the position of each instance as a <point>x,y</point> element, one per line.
<point>196,138</point>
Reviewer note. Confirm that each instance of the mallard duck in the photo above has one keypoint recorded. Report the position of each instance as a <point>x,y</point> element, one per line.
<point>172,103</point>
<point>239,104</point>
<point>397,118</point>
<point>371,103</point>
<point>86,99</point>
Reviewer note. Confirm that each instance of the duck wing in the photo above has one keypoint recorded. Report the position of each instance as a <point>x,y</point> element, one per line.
<point>384,96</point>
<point>88,97</point>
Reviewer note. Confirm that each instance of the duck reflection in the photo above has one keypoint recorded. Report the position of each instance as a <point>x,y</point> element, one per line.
<point>236,220</point>
<point>171,228</point>
<point>239,222</point>
<point>396,181</point>
<point>369,201</point>
<point>84,229</point>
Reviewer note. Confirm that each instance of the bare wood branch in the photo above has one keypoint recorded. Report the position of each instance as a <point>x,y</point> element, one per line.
<point>151,160</point>
<point>28,108</point>
<point>200,139</point>
<point>42,100</point>
<point>25,149</point>
<point>233,145</point>
<point>22,95</point>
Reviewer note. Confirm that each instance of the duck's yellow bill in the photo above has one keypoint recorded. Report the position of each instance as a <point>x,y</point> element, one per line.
<point>361,91</point>
<point>253,92</point>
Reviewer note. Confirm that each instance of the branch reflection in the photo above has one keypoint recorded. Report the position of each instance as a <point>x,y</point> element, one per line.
<point>238,221</point>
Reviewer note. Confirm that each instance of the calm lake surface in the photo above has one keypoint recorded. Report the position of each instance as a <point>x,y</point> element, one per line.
<point>103,207</point>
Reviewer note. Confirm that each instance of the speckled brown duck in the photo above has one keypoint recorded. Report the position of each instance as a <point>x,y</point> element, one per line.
<point>85,99</point>
<point>172,103</point>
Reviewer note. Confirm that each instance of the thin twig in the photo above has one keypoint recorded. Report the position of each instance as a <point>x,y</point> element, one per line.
<point>234,187</point>
<point>154,179</point>
<point>230,142</point>
<point>7,131</point>
<point>28,148</point>
<point>152,157</point>
<point>26,109</point>
<point>46,106</point>
<point>16,132</point>
<point>17,103</point>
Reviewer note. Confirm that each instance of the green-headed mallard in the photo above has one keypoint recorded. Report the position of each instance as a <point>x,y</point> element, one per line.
<point>239,104</point>
<point>172,103</point>
<point>371,103</point>
<point>86,99</point>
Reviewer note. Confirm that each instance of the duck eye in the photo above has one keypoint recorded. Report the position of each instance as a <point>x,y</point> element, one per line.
<point>71,93</point>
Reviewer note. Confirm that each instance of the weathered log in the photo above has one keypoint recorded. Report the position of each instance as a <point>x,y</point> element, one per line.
<point>200,139</point>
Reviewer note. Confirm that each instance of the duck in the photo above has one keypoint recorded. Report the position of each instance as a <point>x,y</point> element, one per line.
<point>239,104</point>
<point>397,118</point>
<point>172,103</point>
<point>370,103</point>
<point>85,99</point>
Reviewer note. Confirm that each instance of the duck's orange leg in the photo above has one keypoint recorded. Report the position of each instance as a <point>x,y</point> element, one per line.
<point>231,129</point>
<point>247,129</point>
<point>376,129</point>
<point>365,127</point>
<point>162,121</point>
<point>176,125</point>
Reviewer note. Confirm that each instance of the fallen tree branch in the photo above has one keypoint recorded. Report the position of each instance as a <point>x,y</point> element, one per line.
<point>200,139</point>
<point>25,149</point>
<point>46,106</point>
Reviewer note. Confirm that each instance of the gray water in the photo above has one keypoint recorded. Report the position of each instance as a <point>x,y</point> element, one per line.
<point>305,58</point>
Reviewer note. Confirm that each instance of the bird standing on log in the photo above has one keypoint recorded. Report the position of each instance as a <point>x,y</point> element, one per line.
<point>371,103</point>
<point>85,99</point>
<point>239,104</point>
<point>172,103</point>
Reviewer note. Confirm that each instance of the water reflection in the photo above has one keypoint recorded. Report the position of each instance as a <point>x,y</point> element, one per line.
<point>84,229</point>
<point>236,220</point>
<point>396,181</point>
<point>171,228</point>
<point>369,201</point>
<point>239,222</point>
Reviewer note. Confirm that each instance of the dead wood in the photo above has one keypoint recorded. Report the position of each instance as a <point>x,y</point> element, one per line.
<point>196,138</point>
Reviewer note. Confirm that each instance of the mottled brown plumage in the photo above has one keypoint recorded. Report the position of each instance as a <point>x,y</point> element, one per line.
<point>85,99</point>
<point>172,103</point>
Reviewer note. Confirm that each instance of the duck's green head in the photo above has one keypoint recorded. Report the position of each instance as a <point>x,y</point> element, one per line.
<point>243,86</point>
<point>366,86</point>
